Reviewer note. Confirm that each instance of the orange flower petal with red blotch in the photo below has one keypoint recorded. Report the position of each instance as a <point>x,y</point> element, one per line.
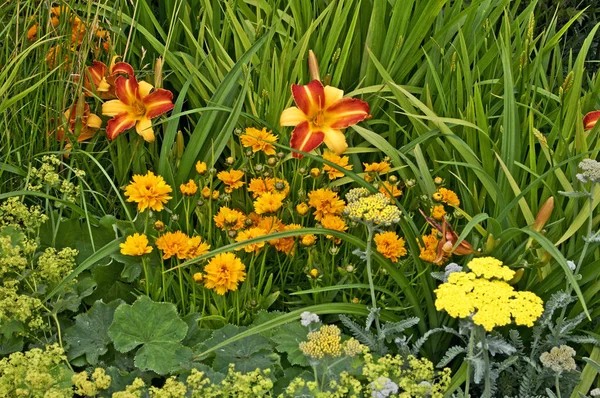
<point>304,139</point>
<point>126,89</point>
<point>96,73</point>
<point>122,67</point>
<point>309,98</point>
<point>118,124</point>
<point>347,112</point>
<point>590,119</point>
<point>158,102</point>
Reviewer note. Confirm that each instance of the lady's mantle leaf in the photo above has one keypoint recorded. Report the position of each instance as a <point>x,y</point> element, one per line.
<point>155,326</point>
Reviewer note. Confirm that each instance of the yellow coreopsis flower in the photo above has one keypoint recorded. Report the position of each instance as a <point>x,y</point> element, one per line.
<point>336,223</point>
<point>173,244</point>
<point>286,245</point>
<point>148,191</point>
<point>390,190</point>
<point>196,247</point>
<point>135,245</point>
<point>250,233</point>
<point>223,273</point>
<point>325,202</point>
<point>390,245</point>
<point>438,212</point>
<point>449,197</point>
<point>201,168</point>
<point>229,219</point>
<point>189,189</point>
<point>259,140</point>
<point>341,161</point>
<point>268,203</point>
<point>429,252</point>
<point>232,179</point>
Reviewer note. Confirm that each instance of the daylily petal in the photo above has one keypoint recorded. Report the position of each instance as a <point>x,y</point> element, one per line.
<point>103,86</point>
<point>86,134</point>
<point>97,72</point>
<point>127,89</point>
<point>589,120</point>
<point>347,112</point>
<point>332,95</point>
<point>158,102</point>
<point>118,124</point>
<point>292,117</point>
<point>121,67</point>
<point>144,128</point>
<point>94,122</point>
<point>335,140</point>
<point>304,139</point>
<point>309,98</point>
<point>114,107</point>
<point>145,88</point>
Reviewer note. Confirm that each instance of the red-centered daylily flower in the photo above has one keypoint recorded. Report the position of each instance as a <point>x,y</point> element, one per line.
<point>100,79</point>
<point>589,120</point>
<point>320,115</point>
<point>90,124</point>
<point>137,103</point>
<point>448,240</point>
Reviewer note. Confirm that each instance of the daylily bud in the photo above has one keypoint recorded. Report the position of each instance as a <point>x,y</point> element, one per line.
<point>518,275</point>
<point>158,78</point>
<point>590,119</point>
<point>543,215</point>
<point>180,145</point>
<point>491,244</point>
<point>313,66</point>
<point>79,113</point>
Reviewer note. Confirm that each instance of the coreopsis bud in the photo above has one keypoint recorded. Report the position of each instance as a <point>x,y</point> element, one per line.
<point>159,225</point>
<point>198,277</point>
<point>543,214</point>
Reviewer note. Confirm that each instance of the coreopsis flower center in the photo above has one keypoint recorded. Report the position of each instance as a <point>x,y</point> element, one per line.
<point>319,120</point>
<point>138,108</point>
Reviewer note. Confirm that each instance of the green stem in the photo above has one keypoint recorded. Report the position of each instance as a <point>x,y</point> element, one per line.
<point>146,276</point>
<point>487,391</point>
<point>371,231</point>
<point>469,356</point>
<point>557,384</point>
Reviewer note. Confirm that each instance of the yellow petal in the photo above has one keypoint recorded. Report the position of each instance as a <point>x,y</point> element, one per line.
<point>145,88</point>
<point>292,117</point>
<point>114,107</point>
<point>335,140</point>
<point>94,121</point>
<point>332,95</point>
<point>103,86</point>
<point>144,128</point>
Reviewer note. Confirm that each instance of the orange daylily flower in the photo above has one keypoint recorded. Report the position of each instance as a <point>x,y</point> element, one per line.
<point>320,115</point>
<point>448,240</point>
<point>137,103</point>
<point>100,79</point>
<point>90,124</point>
<point>590,119</point>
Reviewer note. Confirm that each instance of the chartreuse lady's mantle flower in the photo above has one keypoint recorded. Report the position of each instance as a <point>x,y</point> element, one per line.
<point>486,297</point>
<point>320,115</point>
<point>135,245</point>
<point>224,272</point>
<point>137,103</point>
<point>148,191</point>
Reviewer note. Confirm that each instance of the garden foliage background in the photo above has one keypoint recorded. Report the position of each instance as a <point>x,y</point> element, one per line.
<point>483,97</point>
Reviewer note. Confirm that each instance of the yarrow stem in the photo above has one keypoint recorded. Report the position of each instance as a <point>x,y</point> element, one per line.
<point>371,232</point>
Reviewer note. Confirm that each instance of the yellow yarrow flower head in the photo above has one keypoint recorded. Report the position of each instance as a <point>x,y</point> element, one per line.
<point>324,342</point>
<point>341,161</point>
<point>148,191</point>
<point>135,245</point>
<point>268,203</point>
<point>373,209</point>
<point>224,272</point>
<point>232,179</point>
<point>486,297</point>
<point>390,245</point>
<point>189,189</point>
<point>259,140</point>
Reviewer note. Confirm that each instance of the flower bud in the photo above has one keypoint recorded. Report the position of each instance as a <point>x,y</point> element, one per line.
<point>355,300</point>
<point>543,214</point>
<point>437,197</point>
<point>272,161</point>
<point>393,179</point>
<point>158,77</point>
<point>198,277</point>
<point>349,268</point>
<point>438,180</point>
<point>302,208</point>
<point>232,234</point>
<point>180,145</point>
<point>315,172</point>
<point>314,273</point>
<point>313,66</point>
<point>517,277</point>
<point>159,225</point>
<point>410,183</point>
<point>230,160</point>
